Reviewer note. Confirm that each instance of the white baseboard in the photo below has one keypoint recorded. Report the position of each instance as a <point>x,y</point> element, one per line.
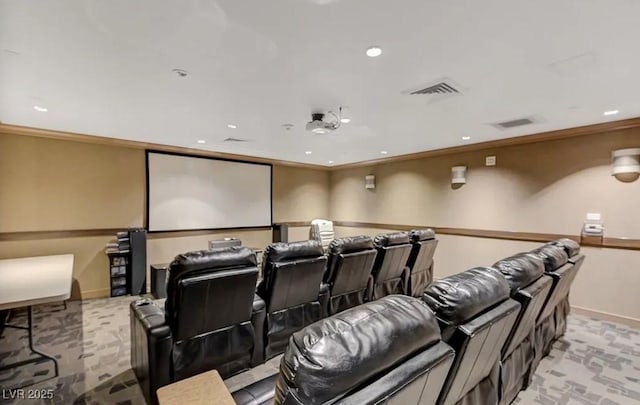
<point>605,316</point>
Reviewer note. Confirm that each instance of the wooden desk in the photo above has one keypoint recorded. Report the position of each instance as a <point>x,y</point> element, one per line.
<point>202,389</point>
<point>31,281</point>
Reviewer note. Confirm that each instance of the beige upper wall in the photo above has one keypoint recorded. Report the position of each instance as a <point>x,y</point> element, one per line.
<point>300,194</point>
<point>545,187</point>
<point>48,184</point>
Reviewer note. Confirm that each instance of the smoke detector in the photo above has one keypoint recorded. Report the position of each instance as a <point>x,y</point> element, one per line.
<point>318,125</point>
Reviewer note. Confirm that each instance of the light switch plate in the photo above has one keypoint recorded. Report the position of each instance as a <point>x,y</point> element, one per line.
<point>593,216</point>
<point>490,161</point>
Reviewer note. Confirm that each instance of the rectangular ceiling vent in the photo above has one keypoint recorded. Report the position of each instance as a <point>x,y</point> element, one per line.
<point>437,90</point>
<point>514,123</point>
<point>236,140</point>
<point>440,88</point>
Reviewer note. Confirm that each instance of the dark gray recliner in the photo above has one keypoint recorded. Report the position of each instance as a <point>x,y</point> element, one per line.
<point>530,287</point>
<point>420,261</point>
<point>387,351</point>
<point>558,267</point>
<point>390,271</point>
<point>476,317</point>
<point>572,249</point>
<point>348,272</point>
<point>291,289</point>
<point>212,320</point>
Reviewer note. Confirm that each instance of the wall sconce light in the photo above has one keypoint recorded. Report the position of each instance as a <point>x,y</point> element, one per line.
<point>625,164</point>
<point>458,176</point>
<point>369,181</point>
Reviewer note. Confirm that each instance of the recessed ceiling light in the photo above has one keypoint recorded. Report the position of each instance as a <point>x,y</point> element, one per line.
<point>232,126</point>
<point>345,120</point>
<point>383,152</point>
<point>466,138</point>
<point>40,109</point>
<point>331,161</point>
<point>374,51</point>
<point>612,112</point>
<point>201,141</point>
<point>308,152</point>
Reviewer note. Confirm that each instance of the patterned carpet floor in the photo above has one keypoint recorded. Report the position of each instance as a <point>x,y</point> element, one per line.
<point>597,362</point>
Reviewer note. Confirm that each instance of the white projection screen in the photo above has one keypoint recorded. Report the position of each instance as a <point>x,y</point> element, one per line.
<point>190,192</point>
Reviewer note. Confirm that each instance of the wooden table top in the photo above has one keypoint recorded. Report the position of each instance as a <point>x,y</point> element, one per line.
<point>35,280</point>
<point>202,389</point>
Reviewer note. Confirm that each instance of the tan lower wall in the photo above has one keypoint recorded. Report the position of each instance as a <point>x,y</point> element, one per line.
<point>606,284</point>
<point>298,233</point>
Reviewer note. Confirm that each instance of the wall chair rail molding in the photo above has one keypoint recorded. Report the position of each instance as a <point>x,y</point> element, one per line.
<point>607,242</point>
<point>57,234</point>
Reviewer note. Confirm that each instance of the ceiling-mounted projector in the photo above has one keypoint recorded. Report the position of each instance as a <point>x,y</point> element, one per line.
<point>317,125</point>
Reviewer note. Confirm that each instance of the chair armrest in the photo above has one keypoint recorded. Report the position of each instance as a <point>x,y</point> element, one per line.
<point>323,298</point>
<point>368,293</point>
<point>259,393</point>
<point>406,276</point>
<point>151,347</point>
<point>258,317</point>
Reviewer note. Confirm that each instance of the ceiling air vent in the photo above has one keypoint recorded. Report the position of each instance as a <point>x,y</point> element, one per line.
<point>236,140</point>
<point>440,88</point>
<point>514,123</point>
<point>437,90</point>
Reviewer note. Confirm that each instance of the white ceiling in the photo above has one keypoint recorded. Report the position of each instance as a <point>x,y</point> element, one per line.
<point>104,67</point>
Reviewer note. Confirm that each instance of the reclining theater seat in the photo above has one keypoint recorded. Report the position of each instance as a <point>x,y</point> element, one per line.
<point>212,320</point>
<point>349,272</point>
<point>420,261</point>
<point>291,288</point>
<point>386,351</point>
<point>322,231</point>
<point>572,249</point>
<point>557,266</point>
<point>530,287</point>
<point>476,317</point>
<point>390,274</point>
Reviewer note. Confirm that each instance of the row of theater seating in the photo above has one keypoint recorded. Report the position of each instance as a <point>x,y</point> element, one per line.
<point>214,317</point>
<point>475,338</point>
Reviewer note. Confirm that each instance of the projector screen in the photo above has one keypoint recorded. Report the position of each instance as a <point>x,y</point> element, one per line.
<point>190,192</point>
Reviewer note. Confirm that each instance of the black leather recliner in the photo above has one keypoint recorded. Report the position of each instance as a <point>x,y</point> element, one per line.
<point>530,287</point>
<point>348,272</point>
<point>292,274</point>
<point>386,351</point>
<point>390,271</point>
<point>420,261</point>
<point>193,334</point>
<point>557,266</point>
<point>572,249</point>
<point>476,316</point>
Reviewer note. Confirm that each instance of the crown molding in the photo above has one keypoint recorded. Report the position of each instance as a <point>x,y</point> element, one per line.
<point>103,140</point>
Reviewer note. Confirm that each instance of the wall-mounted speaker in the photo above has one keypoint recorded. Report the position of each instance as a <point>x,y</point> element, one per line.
<point>625,164</point>
<point>369,181</point>
<point>458,175</point>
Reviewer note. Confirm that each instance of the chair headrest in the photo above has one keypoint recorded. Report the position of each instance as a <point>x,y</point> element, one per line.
<point>418,235</point>
<point>391,239</point>
<point>520,270</point>
<point>214,259</point>
<point>276,252</point>
<point>459,298</point>
<point>553,256</point>
<point>570,246</point>
<point>350,244</point>
<point>329,358</point>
